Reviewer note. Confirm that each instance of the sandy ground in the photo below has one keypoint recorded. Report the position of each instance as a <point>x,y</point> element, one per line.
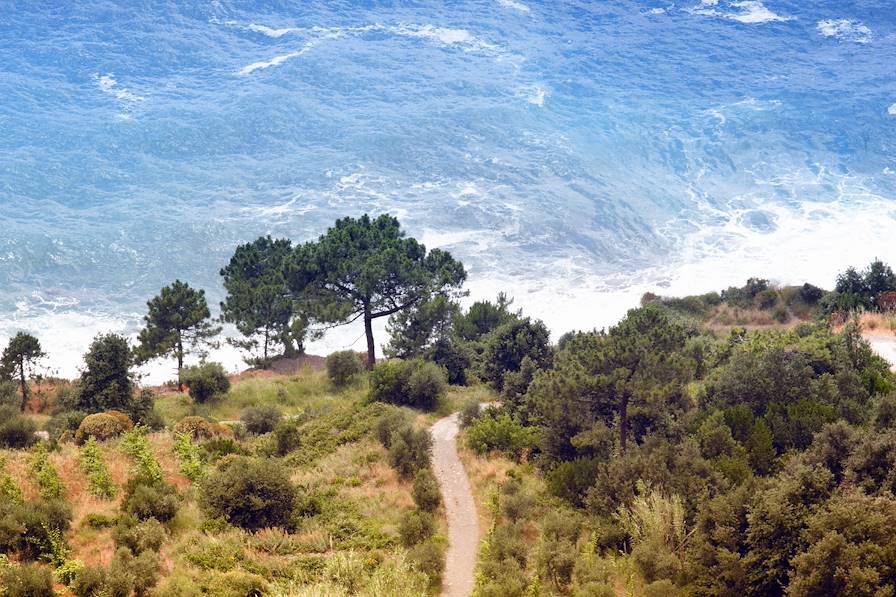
<point>463,524</point>
<point>885,346</point>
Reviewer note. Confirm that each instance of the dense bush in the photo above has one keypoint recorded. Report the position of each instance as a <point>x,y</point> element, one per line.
<point>147,498</point>
<point>199,428</point>
<point>415,527</point>
<point>62,422</point>
<point>287,437</point>
<point>27,580</point>
<point>496,431</point>
<point>103,426</point>
<point>469,412</point>
<point>410,383</point>
<point>137,536</point>
<point>205,381</point>
<point>106,382</point>
<point>16,430</point>
<point>261,419</point>
<point>216,448</point>
<point>426,491</point>
<point>510,344</point>
<point>343,366</point>
<point>190,457</point>
<point>429,558</point>
<point>409,451</point>
<point>34,530</point>
<point>44,473</point>
<point>251,494</point>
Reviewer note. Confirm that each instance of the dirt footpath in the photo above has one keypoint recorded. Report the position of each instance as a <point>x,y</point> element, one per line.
<point>463,524</point>
<point>885,346</point>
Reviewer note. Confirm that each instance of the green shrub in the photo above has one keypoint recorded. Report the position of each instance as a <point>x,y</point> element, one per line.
<point>68,571</point>
<point>415,527</point>
<point>426,491</point>
<point>251,494</point>
<point>190,457</point>
<point>129,573</point>
<point>287,437</point>
<point>137,536</point>
<point>199,428</point>
<point>237,583</point>
<point>99,480</point>
<point>427,557</point>
<point>510,344</point>
<point>409,451</point>
<point>89,582</point>
<point>343,366</point>
<point>66,421</point>
<point>205,381</point>
<point>261,419</point>
<point>146,498</point>
<point>388,425</point>
<point>218,447</point>
<point>34,530</point>
<point>571,481</point>
<point>16,430</point>
<point>409,383</point>
<point>103,426</point>
<point>146,465</point>
<point>27,580</point>
<point>516,502</point>
<point>43,471</point>
<point>499,432</point>
<point>96,520</point>
<point>471,410</point>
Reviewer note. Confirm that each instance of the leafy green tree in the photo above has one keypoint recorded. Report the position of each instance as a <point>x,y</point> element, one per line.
<point>258,300</point>
<point>19,360</point>
<point>106,382</point>
<point>178,322</point>
<point>878,278</point>
<point>510,344</point>
<point>483,317</point>
<point>852,292</point>
<point>416,329</point>
<point>366,269</point>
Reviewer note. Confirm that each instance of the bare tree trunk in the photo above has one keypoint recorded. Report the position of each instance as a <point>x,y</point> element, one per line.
<point>368,330</point>
<point>180,363</point>
<point>23,383</point>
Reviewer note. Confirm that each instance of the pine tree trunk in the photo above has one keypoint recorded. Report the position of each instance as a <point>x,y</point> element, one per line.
<point>24,384</point>
<point>368,330</point>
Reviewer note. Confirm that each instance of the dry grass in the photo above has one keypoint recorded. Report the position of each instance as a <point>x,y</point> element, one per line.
<point>725,318</point>
<point>877,324</point>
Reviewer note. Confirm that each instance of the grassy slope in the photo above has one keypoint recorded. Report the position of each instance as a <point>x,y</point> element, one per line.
<point>350,546</point>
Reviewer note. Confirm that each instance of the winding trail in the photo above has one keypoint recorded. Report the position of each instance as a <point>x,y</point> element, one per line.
<point>463,523</point>
<point>885,346</point>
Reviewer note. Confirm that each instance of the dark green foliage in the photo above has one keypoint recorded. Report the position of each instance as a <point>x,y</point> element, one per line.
<point>178,322</point>
<point>261,419</point>
<point>106,382</point>
<point>426,491</point>
<point>27,580</point>
<point>484,317</point>
<point>413,383</point>
<point>251,494</point>
<point>497,431</point>
<point>413,331</point>
<point>218,447</point>
<point>89,581</point>
<point>557,551</point>
<point>205,381</point>
<point>137,536</point>
<point>61,422</point>
<point>343,366</point>
<point>849,548</point>
<point>428,557</point>
<point>810,294</point>
<point>367,268</point>
<point>16,430</point>
<point>287,437</point>
<point>510,344</point>
<point>129,573</point>
<point>388,426</point>
<point>147,498</point>
<point>454,356</point>
<point>860,290</point>
<point>258,298</point>
<point>571,480</point>
<point>470,411</point>
<point>409,450</point>
<point>19,359</point>
<point>415,527</point>
<point>33,530</point>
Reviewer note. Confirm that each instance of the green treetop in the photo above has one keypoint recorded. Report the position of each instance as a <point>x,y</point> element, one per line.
<point>368,268</point>
<point>258,299</point>
<point>19,360</point>
<point>178,322</point>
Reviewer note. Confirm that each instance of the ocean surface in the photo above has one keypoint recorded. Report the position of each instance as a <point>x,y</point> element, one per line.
<point>574,154</point>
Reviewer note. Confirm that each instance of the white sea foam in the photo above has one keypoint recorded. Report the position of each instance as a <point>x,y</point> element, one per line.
<point>845,30</point>
<point>271,32</point>
<point>537,96</point>
<point>892,110</point>
<point>514,5</point>
<point>750,12</point>
<point>109,86</point>
<point>275,61</point>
